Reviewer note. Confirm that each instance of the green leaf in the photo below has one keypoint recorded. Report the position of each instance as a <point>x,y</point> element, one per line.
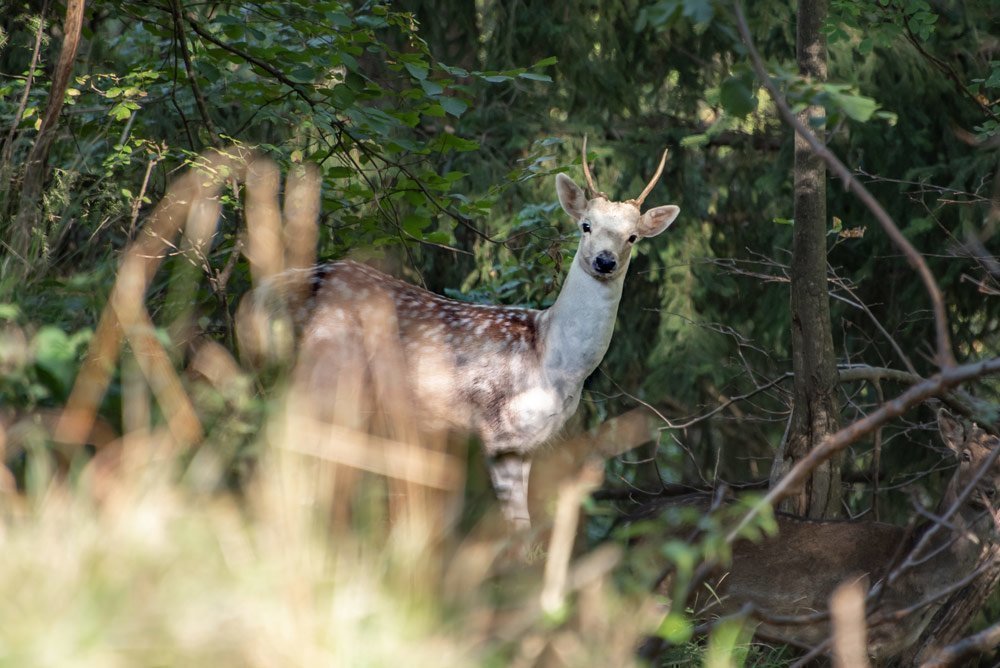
<point>339,172</point>
<point>994,79</point>
<point>338,19</point>
<point>431,87</point>
<point>433,110</point>
<point>699,11</point>
<point>545,62</point>
<point>675,628</point>
<point>446,142</point>
<point>735,97</point>
<point>120,112</point>
<point>9,311</point>
<point>454,71</point>
<point>535,77</point>
<point>858,107</point>
<point>417,70</point>
<point>438,238</point>
<point>414,224</point>
<point>695,140</point>
<point>55,356</point>
<point>453,105</point>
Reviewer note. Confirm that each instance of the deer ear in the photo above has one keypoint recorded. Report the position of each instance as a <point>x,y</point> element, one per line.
<point>656,220</point>
<point>571,196</point>
<point>952,431</point>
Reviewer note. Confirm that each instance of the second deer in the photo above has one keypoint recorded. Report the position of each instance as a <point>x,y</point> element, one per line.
<point>511,376</point>
<point>785,581</point>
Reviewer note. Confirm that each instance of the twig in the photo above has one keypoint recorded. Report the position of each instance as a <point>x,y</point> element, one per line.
<point>957,652</point>
<point>177,11</point>
<point>948,71</point>
<point>137,200</point>
<point>945,356</point>
<point>925,188</point>
<point>875,321</point>
<point>8,147</point>
<point>876,453</point>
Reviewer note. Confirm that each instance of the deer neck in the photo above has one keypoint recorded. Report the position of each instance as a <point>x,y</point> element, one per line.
<point>577,329</point>
<point>959,545</point>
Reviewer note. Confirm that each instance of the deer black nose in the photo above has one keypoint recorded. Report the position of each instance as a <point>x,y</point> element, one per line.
<point>605,262</point>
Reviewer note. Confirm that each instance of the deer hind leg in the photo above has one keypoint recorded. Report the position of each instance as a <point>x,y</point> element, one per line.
<point>509,473</point>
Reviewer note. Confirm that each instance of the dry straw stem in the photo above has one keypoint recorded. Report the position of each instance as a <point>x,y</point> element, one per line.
<point>847,612</point>
<point>571,495</point>
<point>385,457</point>
<point>945,356</point>
<point>191,204</point>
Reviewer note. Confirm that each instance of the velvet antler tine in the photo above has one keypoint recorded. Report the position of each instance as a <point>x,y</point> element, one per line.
<point>656,177</point>
<point>594,192</point>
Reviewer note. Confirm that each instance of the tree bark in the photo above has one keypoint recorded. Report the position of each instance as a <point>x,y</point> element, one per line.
<point>815,412</point>
<point>36,166</point>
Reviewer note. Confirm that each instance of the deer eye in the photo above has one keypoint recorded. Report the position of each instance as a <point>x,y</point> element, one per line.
<point>966,456</point>
<point>632,239</point>
<point>586,227</point>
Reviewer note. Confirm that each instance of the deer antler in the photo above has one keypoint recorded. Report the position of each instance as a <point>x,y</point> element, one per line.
<point>594,192</point>
<point>652,182</point>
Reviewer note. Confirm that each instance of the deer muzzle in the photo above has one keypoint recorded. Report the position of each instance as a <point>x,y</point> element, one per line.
<point>605,262</point>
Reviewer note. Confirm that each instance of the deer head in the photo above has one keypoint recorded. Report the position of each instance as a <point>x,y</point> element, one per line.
<point>609,229</point>
<point>972,446</point>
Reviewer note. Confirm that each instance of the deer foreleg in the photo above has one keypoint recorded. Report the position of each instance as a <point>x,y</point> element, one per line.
<point>509,474</point>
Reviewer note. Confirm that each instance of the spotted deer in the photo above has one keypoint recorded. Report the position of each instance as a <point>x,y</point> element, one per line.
<point>785,581</point>
<point>511,376</point>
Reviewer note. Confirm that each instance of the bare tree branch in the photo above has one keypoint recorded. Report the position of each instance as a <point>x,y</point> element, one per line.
<point>934,386</point>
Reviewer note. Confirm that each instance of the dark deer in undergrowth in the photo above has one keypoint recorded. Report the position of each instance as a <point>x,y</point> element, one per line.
<point>784,582</point>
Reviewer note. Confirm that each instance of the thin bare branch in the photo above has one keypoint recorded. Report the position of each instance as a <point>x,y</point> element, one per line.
<point>178,15</point>
<point>956,654</point>
<point>934,386</point>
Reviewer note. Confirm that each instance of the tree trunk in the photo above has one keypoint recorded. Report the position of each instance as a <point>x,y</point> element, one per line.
<point>815,412</point>
<point>30,206</point>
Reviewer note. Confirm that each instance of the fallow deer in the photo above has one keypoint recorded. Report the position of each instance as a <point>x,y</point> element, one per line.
<point>511,376</point>
<point>785,581</point>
